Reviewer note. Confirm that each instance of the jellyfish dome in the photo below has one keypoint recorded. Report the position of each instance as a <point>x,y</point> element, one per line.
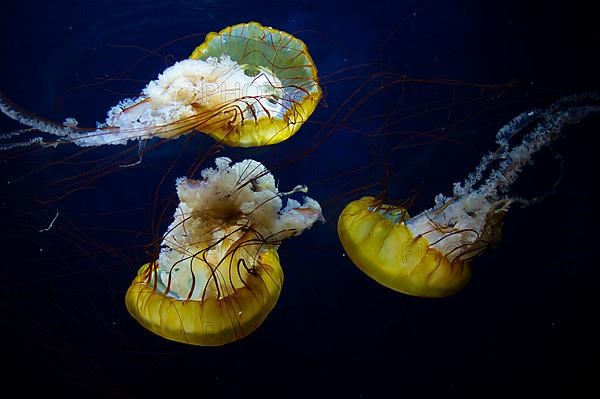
<point>218,274</point>
<point>274,79</point>
<point>246,86</point>
<point>430,254</point>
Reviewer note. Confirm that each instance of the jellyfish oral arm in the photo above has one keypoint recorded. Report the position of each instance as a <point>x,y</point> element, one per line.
<point>466,223</point>
<point>479,203</point>
<point>13,111</point>
<point>550,126</point>
<point>68,132</point>
<point>174,104</point>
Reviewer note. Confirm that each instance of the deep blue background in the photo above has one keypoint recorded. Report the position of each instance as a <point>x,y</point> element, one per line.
<point>523,326</point>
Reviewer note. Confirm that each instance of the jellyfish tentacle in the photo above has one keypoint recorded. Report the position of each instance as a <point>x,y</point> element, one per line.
<point>141,147</point>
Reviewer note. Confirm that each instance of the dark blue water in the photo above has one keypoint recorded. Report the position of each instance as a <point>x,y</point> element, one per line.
<point>414,93</point>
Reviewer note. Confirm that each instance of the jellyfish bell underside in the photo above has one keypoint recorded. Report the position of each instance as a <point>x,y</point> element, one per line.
<point>280,88</point>
<point>218,274</point>
<point>246,86</point>
<point>429,255</point>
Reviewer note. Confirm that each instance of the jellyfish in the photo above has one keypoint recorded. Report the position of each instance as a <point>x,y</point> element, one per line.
<point>218,274</point>
<point>429,255</point>
<point>246,86</point>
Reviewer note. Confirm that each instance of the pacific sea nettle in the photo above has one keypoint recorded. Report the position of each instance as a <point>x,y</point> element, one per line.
<point>245,86</point>
<point>218,274</point>
<point>430,254</point>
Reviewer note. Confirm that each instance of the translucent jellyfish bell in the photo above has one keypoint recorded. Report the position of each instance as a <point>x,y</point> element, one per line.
<point>246,86</point>
<point>429,255</point>
<point>218,274</point>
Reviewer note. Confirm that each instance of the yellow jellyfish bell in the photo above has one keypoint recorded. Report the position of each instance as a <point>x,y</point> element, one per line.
<point>246,86</point>
<point>211,320</point>
<point>429,255</point>
<point>218,273</point>
<point>277,84</point>
<point>377,240</point>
